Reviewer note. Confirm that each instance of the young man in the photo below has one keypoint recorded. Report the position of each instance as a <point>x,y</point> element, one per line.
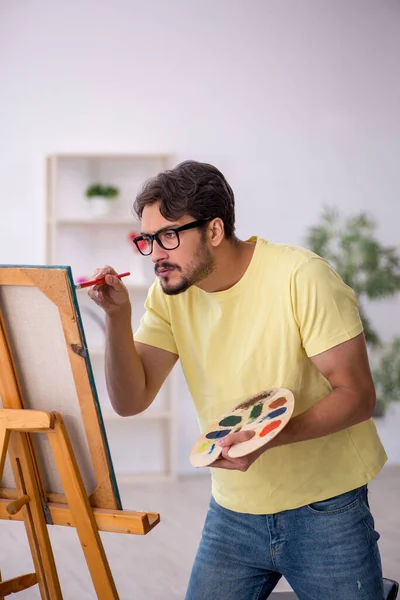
<point>244,316</point>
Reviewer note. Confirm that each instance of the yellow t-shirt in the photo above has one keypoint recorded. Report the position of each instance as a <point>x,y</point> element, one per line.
<point>289,305</point>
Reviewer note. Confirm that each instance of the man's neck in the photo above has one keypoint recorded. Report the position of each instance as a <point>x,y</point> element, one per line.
<point>231,263</point>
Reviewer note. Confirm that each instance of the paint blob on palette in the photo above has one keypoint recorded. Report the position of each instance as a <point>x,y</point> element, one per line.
<point>266,414</point>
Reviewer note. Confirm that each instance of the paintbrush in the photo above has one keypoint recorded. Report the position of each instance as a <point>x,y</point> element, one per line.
<point>85,284</point>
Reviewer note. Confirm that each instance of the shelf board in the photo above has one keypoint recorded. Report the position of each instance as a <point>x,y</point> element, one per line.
<point>94,222</point>
<point>109,414</point>
<point>111,156</point>
<point>128,477</point>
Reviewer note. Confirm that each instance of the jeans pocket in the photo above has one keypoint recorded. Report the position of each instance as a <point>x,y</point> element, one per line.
<point>369,519</point>
<point>337,504</point>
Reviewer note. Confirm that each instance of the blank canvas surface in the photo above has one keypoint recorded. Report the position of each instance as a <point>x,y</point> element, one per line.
<point>38,345</point>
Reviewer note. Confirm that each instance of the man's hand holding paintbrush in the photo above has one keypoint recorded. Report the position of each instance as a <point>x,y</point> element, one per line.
<point>109,293</point>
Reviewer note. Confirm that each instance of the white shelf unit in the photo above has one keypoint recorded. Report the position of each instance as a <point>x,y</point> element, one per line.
<point>145,445</point>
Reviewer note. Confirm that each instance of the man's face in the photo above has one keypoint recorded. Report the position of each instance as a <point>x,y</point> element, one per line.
<point>184,266</point>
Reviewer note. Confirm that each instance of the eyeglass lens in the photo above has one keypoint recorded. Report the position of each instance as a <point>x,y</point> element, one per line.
<point>169,240</point>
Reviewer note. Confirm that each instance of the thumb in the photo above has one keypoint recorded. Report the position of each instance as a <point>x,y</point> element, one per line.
<point>236,437</point>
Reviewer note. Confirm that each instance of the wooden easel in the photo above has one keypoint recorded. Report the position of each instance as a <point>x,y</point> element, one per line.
<point>15,427</point>
<point>30,502</point>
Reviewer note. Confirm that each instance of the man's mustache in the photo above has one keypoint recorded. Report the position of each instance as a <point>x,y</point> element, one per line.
<point>166,265</point>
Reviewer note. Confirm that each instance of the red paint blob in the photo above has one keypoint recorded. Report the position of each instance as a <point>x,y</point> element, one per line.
<point>270,427</point>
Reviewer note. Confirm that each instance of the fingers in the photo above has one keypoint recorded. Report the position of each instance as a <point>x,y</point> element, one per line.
<point>236,464</point>
<point>108,273</point>
<point>114,282</point>
<point>111,294</point>
<point>236,437</point>
<point>221,463</point>
<point>239,463</point>
<point>96,294</point>
<point>102,272</point>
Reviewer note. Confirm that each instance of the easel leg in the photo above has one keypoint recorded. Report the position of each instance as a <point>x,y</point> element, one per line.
<point>4,438</point>
<point>23,463</point>
<point>1,597</point>
<point>81,512</point>
<point>35,523</point>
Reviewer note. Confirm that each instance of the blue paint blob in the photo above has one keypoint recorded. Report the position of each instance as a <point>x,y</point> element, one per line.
<point>263,419</point>
<point>211,449</point>
<point>273,414</point>
<point>277,412</point>
<point>213,435</point>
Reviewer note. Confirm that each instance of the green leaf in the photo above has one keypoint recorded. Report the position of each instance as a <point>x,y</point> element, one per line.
<point>106,191</point>
<point>372,270</point>
<point>350,245</point>
<point>387,375</point>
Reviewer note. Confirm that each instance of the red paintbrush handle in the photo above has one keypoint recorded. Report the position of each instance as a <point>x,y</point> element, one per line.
<point>101,280</point>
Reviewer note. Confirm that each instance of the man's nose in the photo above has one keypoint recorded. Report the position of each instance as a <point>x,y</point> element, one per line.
<point>158,253</point>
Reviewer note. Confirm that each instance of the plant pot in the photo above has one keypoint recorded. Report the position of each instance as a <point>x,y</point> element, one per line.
<point>99,206</point>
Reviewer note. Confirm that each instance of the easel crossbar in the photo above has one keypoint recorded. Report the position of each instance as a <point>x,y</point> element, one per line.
<point>17,584</point>
<point>114,521</point>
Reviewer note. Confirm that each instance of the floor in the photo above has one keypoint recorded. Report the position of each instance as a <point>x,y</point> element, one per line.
<point>157,566</point>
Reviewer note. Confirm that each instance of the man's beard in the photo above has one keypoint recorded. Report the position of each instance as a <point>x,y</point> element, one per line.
<point>199,269</point>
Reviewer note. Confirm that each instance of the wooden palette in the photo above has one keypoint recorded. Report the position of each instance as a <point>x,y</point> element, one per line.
<point>266,413</point>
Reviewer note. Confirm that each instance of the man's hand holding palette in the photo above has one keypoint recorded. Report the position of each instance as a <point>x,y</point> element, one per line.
<point>266,414</point>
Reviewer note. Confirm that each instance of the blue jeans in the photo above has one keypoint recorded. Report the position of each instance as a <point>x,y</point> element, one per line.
<point>327,551</point>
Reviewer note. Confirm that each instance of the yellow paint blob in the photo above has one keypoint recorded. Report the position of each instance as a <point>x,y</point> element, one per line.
<point>203,447</point>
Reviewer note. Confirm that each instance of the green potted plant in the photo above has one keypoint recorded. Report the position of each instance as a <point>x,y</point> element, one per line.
<point>387,376</point>
<point>100,197</point>
<point>372,270</point>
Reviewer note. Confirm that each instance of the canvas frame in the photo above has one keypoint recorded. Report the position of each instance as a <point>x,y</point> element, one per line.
<point>56,283</point>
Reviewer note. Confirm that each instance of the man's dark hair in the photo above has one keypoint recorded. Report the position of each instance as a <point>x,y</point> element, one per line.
<point>193,188</point>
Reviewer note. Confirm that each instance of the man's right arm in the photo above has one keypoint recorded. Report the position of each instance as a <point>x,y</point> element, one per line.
<point>135,372</point>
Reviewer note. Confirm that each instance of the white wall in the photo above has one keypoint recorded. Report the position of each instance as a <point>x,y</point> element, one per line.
<point>298,102</point>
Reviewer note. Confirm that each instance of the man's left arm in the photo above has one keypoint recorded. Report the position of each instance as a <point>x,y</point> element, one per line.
<point>325,310</point>
<point>351,401</point>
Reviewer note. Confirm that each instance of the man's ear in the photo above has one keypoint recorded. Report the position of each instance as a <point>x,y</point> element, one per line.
<point>216,231</point>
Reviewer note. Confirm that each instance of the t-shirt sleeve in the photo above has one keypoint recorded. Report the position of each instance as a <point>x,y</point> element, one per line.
<point>324,307</point>
<point>155,325</point>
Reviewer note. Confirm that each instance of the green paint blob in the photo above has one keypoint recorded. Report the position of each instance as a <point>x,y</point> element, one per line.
<point>231,420</point>
<point>255,412</point>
